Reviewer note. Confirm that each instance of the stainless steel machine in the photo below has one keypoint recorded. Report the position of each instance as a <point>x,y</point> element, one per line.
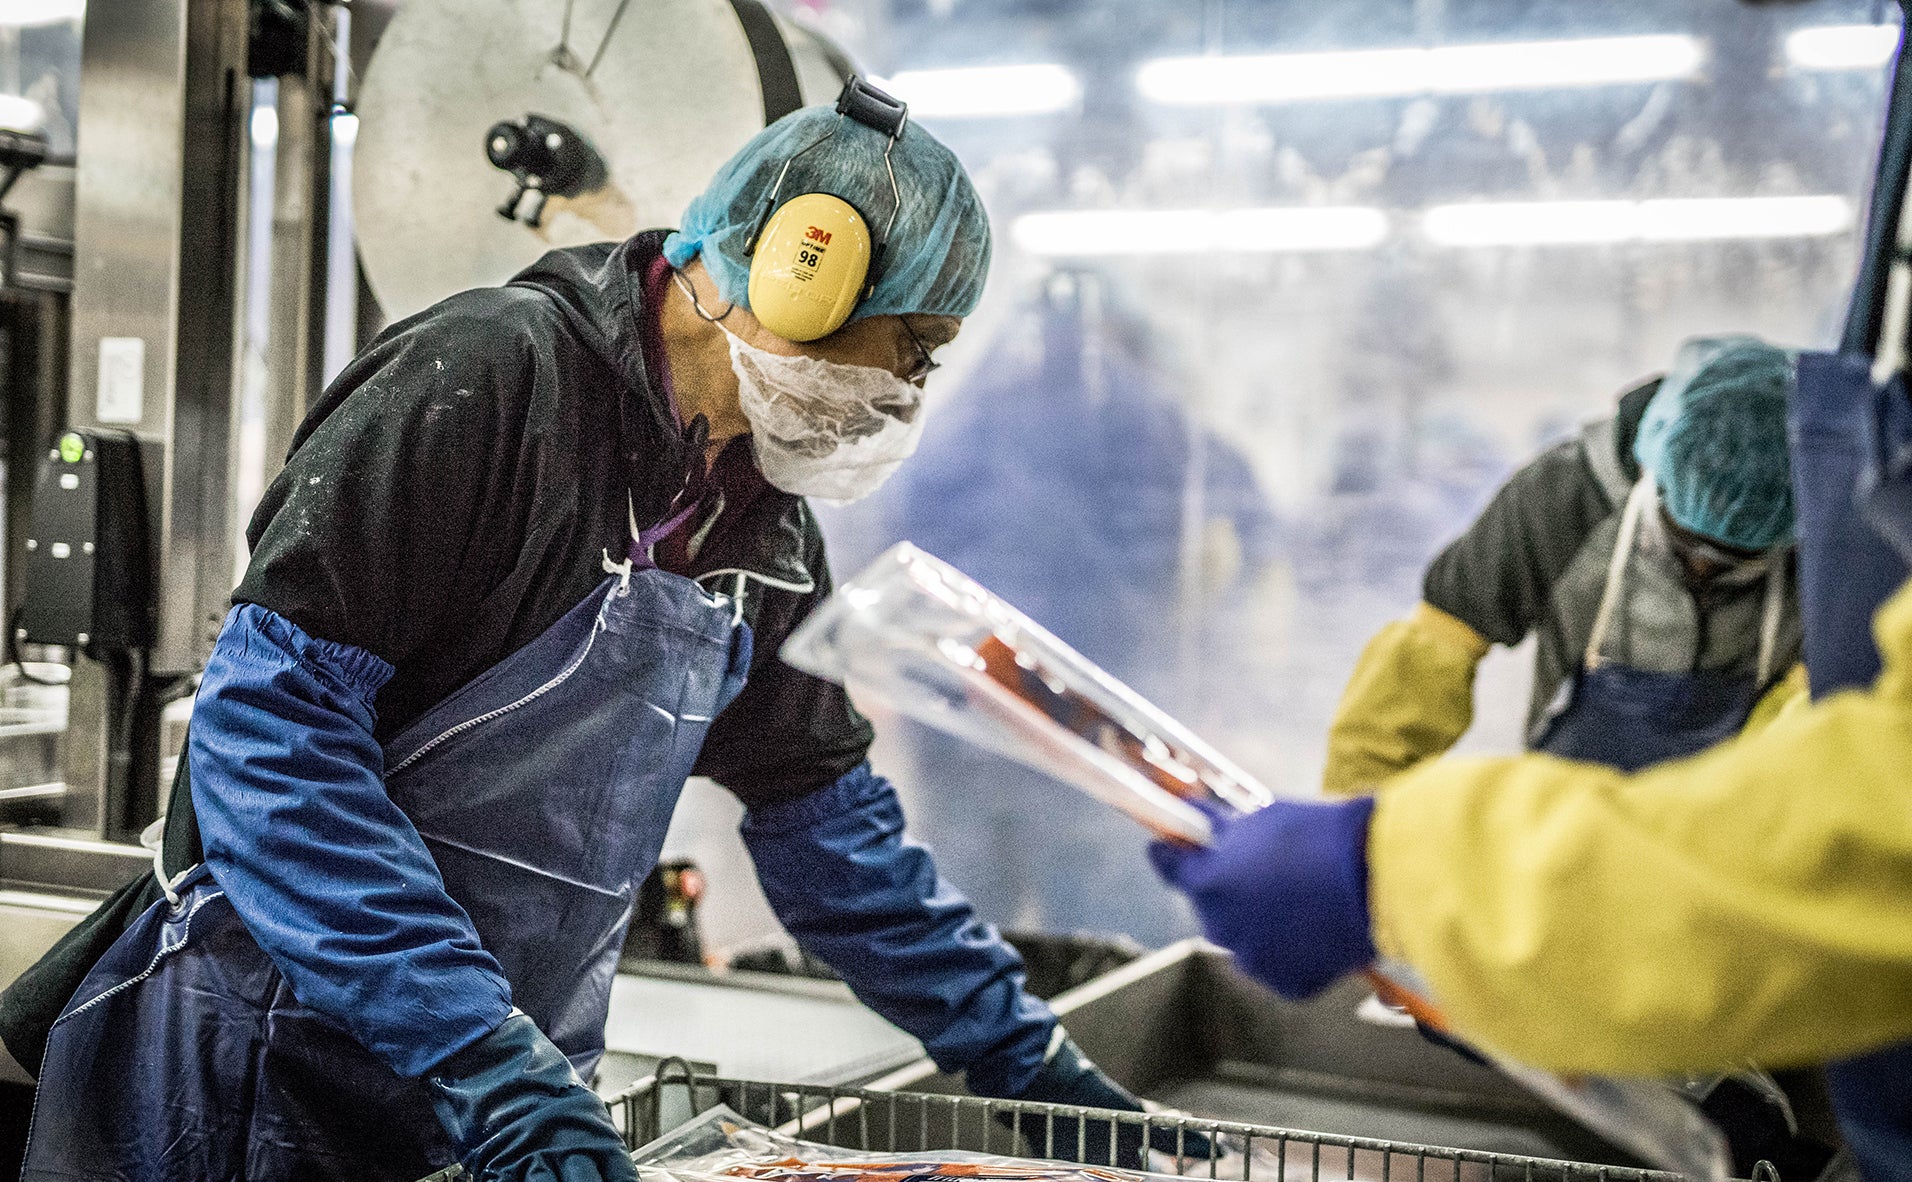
<point>126,461</point>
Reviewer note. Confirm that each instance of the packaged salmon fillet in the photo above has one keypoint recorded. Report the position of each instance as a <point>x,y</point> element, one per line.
<point>720,1145</point>
<point>930,642</point>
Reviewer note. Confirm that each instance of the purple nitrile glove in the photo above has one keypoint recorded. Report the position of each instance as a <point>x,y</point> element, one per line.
<point>1285,889</point>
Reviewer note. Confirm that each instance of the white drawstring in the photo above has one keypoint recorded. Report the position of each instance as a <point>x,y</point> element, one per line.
<point>1644,494</point>
<point>621,569</point>
<point>1769,622</point>
<point>153,837</point>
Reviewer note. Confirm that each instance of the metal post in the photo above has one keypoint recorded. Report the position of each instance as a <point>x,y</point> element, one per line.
<point>341,269</point>
<point>294,204</point>
<point>301,213</point>
<point>163,104</point>
<point>285,324</point>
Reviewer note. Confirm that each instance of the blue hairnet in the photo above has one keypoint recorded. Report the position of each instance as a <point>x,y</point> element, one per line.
<point>1723,469</point>
<point>938,250</point>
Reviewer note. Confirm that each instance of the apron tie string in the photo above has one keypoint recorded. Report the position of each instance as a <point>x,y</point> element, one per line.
<point>1769,622</point>
<point>621,569</point>
<point>153,837</point>
<point>1643,495</point>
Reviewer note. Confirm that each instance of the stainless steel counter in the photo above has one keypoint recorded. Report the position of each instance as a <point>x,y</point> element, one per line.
<point>757,1025</point>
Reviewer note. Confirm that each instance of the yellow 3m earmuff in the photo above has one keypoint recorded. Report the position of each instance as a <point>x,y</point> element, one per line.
<point>813,258</point>
<point>810,268</point>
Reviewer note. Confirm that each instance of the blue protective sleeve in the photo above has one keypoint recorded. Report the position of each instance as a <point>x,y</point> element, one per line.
<point>859,895</point>
<point>329,876</point>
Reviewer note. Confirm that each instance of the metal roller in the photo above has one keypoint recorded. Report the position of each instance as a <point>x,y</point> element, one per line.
<point>491,131</point>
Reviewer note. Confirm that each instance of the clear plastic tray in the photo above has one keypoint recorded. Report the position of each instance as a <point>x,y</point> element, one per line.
<point>934,644</point>
<point>931,642</point>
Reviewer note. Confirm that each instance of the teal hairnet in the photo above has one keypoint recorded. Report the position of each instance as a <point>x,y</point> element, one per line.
<point>1723,469</point>
<point>1665,407</point>
<point>938,250</point>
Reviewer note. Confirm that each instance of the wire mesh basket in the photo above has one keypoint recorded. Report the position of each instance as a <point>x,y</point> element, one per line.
<point>916,1122</point>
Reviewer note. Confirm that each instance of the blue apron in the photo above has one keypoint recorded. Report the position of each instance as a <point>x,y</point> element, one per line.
<point>1852,478</point>
<point>1631,718</point>
<point>543,789</point>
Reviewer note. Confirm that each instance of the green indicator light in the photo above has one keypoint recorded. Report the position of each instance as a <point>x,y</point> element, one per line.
<point>72,448</point>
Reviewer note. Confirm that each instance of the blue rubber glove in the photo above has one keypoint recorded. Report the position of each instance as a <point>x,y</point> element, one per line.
<point>1284,889</point>
<point>518,1113</point>
<point>1069,1077</point>
<point>846,880</point>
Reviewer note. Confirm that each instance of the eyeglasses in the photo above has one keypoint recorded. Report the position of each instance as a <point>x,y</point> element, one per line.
<point>925,364</point>
<point>1706,559</point>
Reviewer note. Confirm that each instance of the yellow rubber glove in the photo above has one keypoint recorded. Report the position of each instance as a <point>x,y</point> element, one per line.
<point>1411,698</point>
<point>1788,694</point>
<point>1747,903</point>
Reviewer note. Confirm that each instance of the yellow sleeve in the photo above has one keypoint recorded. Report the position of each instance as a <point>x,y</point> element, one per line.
<point>1748,903</point>
<point>1411,697</point>
<point>1787,695</point>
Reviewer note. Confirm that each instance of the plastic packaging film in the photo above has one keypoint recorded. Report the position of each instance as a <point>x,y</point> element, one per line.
<point>923,638</point>
<point>934,644</point>
<point>720,1144</point>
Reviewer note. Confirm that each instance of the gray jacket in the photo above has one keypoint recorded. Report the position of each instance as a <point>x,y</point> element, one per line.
<point>1536,559</point>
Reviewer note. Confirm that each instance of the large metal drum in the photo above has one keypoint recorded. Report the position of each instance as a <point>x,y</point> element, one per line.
<point>663,91</point>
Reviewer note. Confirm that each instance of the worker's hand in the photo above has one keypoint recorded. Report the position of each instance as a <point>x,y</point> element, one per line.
<point>1068,1077</point>
<point>1285,889</point>
<point>518,1113</point>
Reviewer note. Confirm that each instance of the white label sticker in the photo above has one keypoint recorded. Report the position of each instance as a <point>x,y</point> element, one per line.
<point>122,393</point>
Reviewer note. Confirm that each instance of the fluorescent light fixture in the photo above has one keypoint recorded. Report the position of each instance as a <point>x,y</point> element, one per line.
<point>1531,223</point>
<point>1449,69</point>
<point>265,128</point>
<point>1682,219</point>
<point>1842,47</point>
<point>345,129</point>
<point>1146,232</point>
<point>1106,231</point>
<point>22,13</point>
<point>1342,227</point>
<point>21,114</point>
<point>972,91</point>
<point>1696,219</point>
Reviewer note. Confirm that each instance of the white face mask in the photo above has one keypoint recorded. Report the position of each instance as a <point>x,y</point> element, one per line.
<point>821,429</point>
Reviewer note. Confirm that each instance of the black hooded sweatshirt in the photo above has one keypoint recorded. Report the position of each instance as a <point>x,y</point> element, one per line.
<point>456,491</point>
<point>459,485</point>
